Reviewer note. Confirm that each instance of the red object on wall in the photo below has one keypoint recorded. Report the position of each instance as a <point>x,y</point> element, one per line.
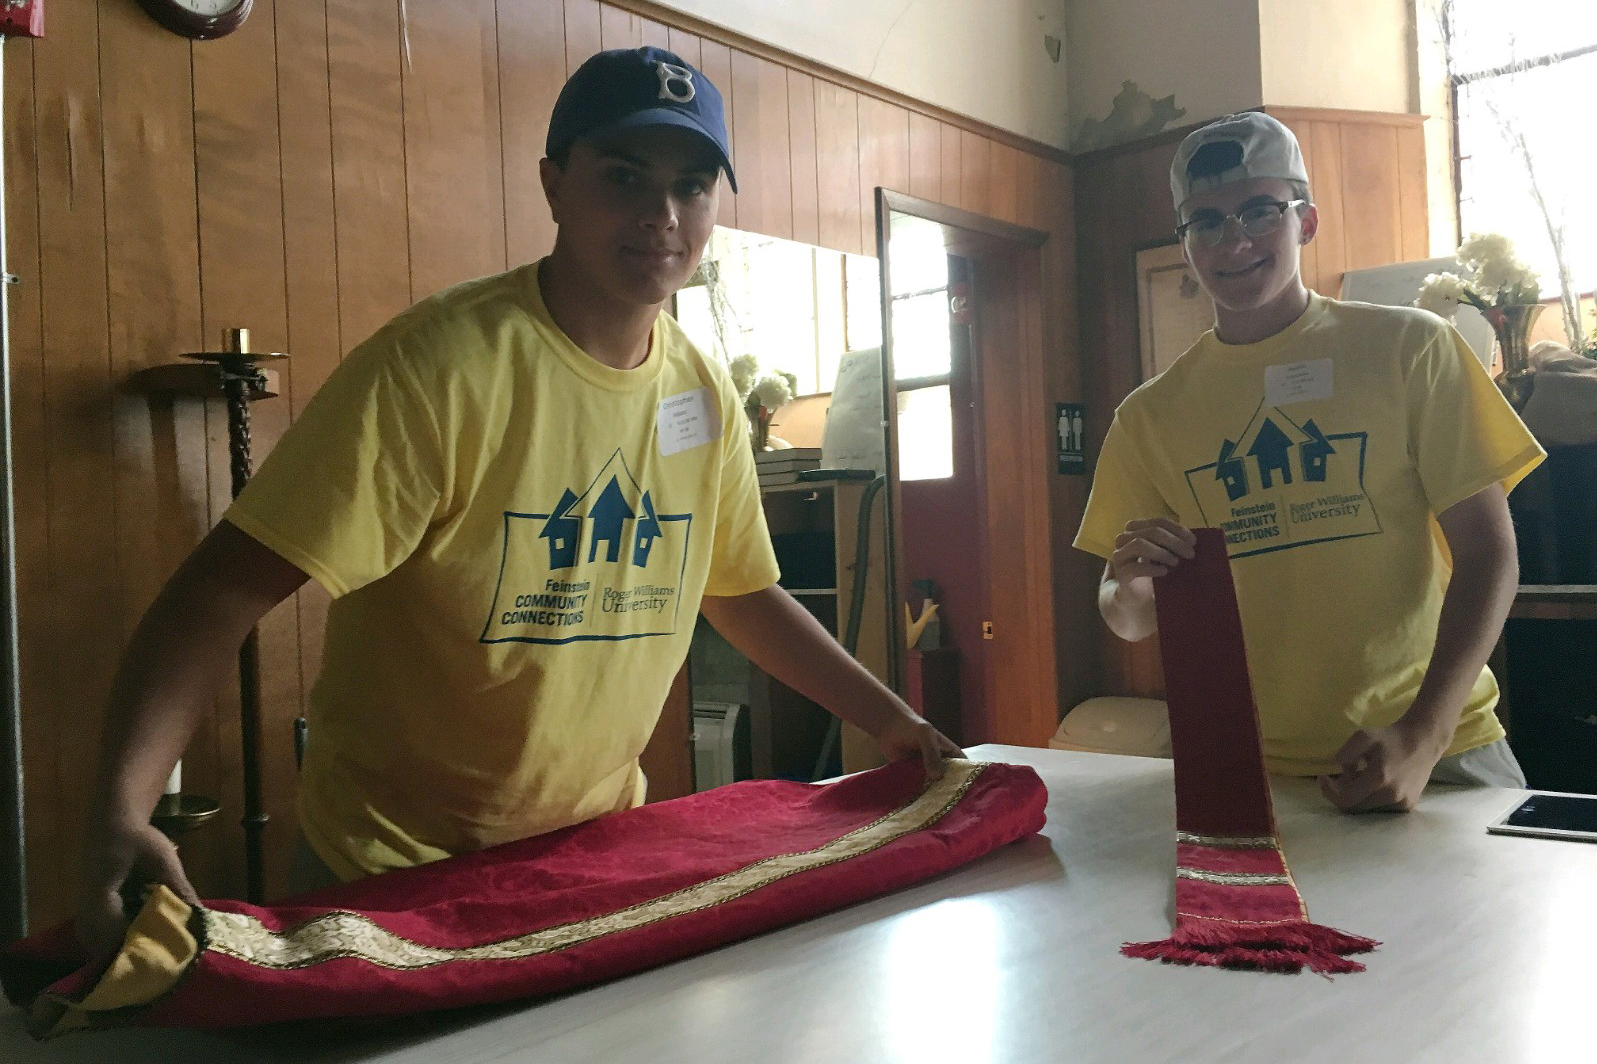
<point>22,18</point>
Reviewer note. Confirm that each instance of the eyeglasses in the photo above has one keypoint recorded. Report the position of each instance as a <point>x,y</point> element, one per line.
<point>1260,219</point>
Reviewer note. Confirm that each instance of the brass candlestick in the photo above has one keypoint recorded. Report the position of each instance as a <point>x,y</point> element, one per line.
<point>178,814</point>
<point>241,379</point>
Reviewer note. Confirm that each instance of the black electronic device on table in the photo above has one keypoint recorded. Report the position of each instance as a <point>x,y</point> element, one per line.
<point>1551,815</point>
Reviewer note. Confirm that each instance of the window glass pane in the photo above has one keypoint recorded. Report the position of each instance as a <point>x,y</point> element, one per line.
<point>693,314</point>
<point>863,278</point>
<point>925,434</point>
<point>920,336</point>
<point>917,257</point>
<point>793,307</point>
<point>1500,120</point>
<point>1486,34</point>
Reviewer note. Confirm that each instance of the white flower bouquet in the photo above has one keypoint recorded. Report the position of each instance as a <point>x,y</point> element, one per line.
<point>763,393</point>
<point>1495,277</point>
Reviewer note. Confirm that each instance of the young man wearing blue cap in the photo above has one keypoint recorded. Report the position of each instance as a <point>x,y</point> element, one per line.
<point>1330,441</point>
<point>520,493</point>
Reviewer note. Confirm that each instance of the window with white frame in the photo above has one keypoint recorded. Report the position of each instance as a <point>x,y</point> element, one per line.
<point>1523,83</point>
<point>922,350</point>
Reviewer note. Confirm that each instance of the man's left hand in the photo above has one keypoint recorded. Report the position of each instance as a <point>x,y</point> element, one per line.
<point>1383,769</point>
<point>907,736</point>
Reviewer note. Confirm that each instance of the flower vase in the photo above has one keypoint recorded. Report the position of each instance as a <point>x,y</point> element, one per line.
<point>1512,324</point>
<point>759,428</point>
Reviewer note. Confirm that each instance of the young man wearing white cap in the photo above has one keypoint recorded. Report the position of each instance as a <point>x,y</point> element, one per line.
<point>520,493</point>
<point>1330,441</point>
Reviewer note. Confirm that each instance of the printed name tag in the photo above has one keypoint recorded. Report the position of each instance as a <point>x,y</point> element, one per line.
<point>687,420</point>
<point>1297,383</point>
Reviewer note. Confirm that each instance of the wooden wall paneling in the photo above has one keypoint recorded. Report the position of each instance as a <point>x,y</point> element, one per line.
<point>531,73</point>
<point>81,619</point>
<point>1046,198</point>
<point>760,140</point>
<point>1327,184</point>
<point>1309,256</point>
<point>41,723</point>
<point>656,34</point>
<point>884,159</point>
<point>239,170</point>
<point>715,60</point>
<point>837,167</point>
<point>686,45</point>
<point>584,32</point>
<point>369,190</point>
<point>310,266</point>
<point>619,29</point>
<point>1121,204</point>
<point>1038,198</point>
<point>925,158</point>
<point>1006,661</point>
<point>1044,384</point>
<point>804,186</point>
<point>975,173</point>
<point>1413,194</point>
<point>1370,204</point>
<point>1004,193</point>
<point>454,170</point>
<point>951,181</point>
<point>164,467</point>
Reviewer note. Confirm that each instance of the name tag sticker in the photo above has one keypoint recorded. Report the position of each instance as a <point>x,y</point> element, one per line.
<point>688,420</point>
<point>1299,382</point>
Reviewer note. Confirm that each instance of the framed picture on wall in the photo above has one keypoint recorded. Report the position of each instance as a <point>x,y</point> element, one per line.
<point>1173,311</point>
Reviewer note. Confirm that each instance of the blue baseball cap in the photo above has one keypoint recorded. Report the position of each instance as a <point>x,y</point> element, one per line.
<point>627,88</point>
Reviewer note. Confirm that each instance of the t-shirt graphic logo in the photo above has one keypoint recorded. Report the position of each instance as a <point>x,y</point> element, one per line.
<point>604,564</point>
<point>1281,484</point>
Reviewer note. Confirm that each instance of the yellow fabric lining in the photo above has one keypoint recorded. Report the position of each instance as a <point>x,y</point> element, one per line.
<point>158,949</point>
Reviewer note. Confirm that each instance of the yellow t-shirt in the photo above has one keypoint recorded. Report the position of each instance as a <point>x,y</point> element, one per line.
<point>1324,452</point>
<point>517,538</point>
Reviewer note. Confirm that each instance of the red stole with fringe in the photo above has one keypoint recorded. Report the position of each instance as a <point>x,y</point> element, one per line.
<point>1236,904</point>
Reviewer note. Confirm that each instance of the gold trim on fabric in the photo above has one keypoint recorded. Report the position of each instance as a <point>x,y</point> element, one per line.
<point>1229,842</point>
<point>347,934</point>
<point>1231,920</point>
<point>1236,879</point>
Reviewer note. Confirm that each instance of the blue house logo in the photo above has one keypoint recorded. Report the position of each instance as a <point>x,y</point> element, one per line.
<point>1279,484</point>
<point>603,564</point>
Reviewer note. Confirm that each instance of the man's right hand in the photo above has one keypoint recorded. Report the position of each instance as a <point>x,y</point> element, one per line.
<point>1146,549</point>
<point>125,854</point>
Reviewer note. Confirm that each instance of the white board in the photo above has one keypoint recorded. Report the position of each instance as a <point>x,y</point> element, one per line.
<point>1398,285</point>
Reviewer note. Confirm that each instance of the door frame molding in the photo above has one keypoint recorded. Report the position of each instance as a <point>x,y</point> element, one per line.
<point>1013,464</point>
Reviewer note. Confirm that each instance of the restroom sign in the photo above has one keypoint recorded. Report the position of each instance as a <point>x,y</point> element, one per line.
<point>1069,424</point>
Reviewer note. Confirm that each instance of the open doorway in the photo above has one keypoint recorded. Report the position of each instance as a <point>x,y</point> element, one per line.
<point>979,531</point>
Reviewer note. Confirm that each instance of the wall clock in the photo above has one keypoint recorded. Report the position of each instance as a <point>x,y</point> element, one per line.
<point>202,20</point>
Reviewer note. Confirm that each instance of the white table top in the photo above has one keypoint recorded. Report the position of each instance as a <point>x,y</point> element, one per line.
<point>1490,947</point>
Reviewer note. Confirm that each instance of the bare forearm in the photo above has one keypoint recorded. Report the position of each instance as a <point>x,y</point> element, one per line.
<point>1132,621</point>
<point>1148,548</point>
<point>1474,608</point>
<point>1485,577</point>
<point>180,655</point>
<point>786,642</point>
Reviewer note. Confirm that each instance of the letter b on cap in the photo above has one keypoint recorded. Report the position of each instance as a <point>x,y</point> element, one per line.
<point>676,83</point>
